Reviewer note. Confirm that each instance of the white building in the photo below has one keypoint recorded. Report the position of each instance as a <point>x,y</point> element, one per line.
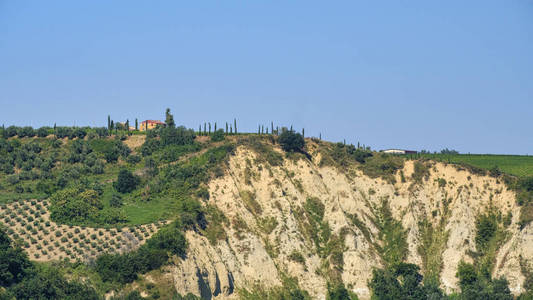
<point>398,151</point>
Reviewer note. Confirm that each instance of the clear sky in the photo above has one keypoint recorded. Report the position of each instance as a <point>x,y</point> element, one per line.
<point>407,74</point>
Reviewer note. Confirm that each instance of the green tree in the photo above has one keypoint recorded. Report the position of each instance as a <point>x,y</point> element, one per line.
<point>473,286</point>
<point>14,263</point>
<point>400,281</point>
<point>108,122</point>
<point>126,181</point>
<point>291,141</point>
<point>49,284</point>
<point>43,131</point>
<point>136,124</point>
<point>177,136</point>
<point>74,205</point>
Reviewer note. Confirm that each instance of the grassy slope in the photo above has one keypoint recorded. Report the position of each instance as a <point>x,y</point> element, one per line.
<point>519,165</point>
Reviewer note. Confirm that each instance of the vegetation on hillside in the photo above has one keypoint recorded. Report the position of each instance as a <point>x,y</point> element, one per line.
<point>91,178</point>
<point>22,279</point>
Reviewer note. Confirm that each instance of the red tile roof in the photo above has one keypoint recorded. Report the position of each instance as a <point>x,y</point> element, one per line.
<point>152,122</point>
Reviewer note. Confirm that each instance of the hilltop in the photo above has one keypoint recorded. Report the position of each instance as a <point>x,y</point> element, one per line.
<point>174,213</point>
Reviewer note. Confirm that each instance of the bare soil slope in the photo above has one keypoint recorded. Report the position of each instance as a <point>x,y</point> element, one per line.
<point>273,231</point>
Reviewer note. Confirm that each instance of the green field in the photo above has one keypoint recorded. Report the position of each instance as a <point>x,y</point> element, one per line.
<point>518,165</point>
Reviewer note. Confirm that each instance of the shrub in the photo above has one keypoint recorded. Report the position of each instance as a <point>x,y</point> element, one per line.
<point>170,239</point>
<point>339,292</point>
<point>486,226</point>
<point>218,136</point>
<point>133,159</point>
<point>115,201</point>
<point>526,183</point>
<point>382,165</point>
<point>421,171</point>
<point>297,257</point>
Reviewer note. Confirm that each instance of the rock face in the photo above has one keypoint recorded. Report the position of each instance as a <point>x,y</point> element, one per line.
<point>270,233</point>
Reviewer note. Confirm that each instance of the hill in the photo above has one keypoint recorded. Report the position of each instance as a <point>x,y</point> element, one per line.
<point>170,214</point>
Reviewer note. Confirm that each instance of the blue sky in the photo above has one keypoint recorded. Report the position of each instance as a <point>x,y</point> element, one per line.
<point>407,74</point>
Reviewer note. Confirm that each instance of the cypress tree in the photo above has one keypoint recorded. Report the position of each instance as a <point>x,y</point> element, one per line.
<point>320,136</point>
<point>291,128</point>
<point>272,127</point>
<point>215,128</point>
<point>200,129</point>
<point>169,119</point>
<point>55,126</point>
<point>209,127</point>
<point>258,129</point>
<point>128,125</point>
<point>303,132</point>
<point>230,130</point>
<point>267,130</point>
<point>112,125</point>
<point>108,123</point>
<point>235,125</point>
<point>262,129</point>
<point>205,129</point>
<point>226,127</point>
<point>136,124</point>
<point>277,130</point>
